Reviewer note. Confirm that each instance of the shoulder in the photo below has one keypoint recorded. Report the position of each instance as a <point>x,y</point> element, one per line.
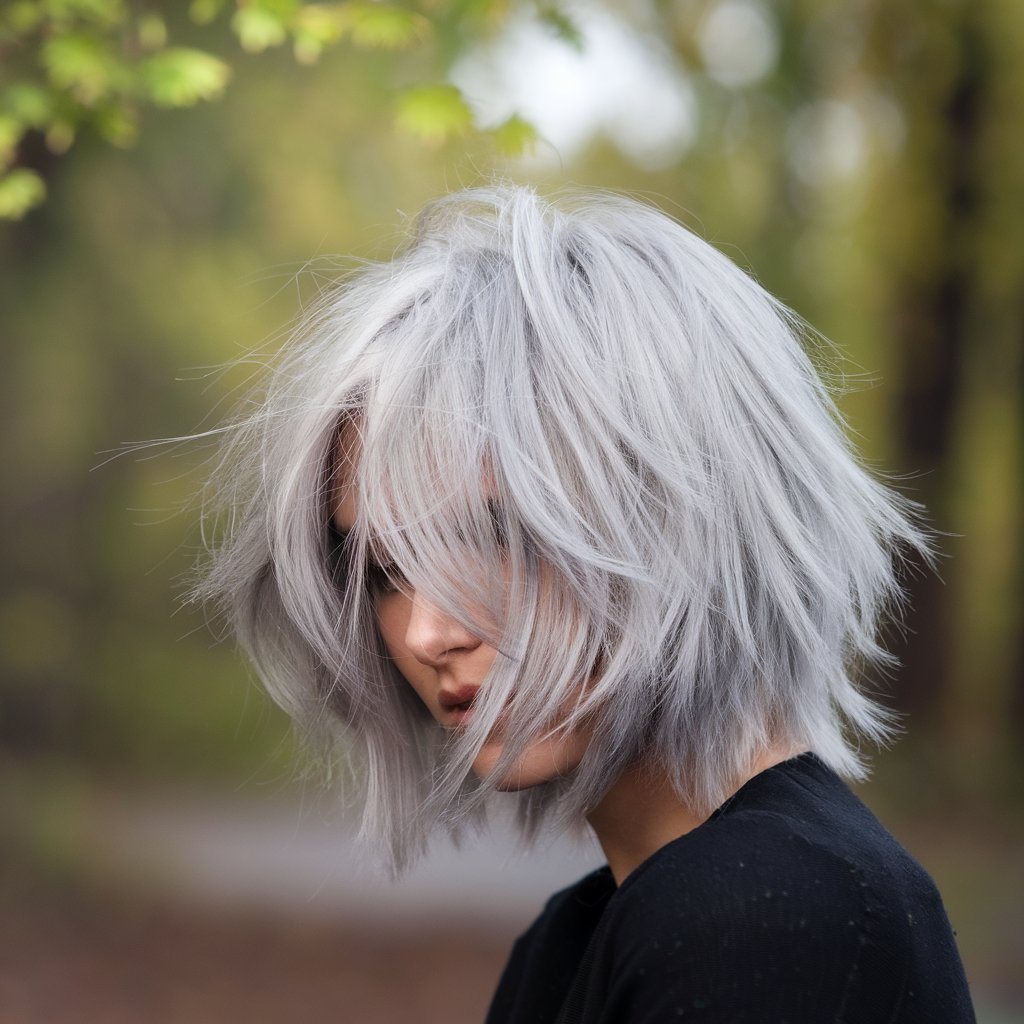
<point>568,917</point>
<point>794,856</point>
<point>745,919</point>
<point>753,874</point>
<point>793,904</point>
<point>582,902</point>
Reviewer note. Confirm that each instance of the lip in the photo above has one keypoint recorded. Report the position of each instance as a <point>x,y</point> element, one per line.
<point>457,702</point>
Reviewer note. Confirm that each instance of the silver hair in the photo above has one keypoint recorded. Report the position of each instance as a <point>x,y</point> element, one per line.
<point>599,445</point>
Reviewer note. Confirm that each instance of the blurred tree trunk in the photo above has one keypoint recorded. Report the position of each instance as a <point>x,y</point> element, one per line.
<point>957,302</point>
<point>932,299</point>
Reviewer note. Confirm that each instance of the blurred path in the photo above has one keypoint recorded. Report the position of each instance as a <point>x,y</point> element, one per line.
<point>234,906</point>
<point>280,856</point>
<point>197,910</point>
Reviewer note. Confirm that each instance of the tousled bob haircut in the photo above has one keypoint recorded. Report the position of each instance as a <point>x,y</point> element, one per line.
<point>595,442</point>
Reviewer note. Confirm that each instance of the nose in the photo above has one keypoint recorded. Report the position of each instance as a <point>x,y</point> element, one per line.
<point>434,637</point>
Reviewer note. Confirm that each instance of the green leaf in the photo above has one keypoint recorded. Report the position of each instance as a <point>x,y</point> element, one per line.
<point>324,21</point>
<point>152,32</point>
<point>307,47</point>
<point>377,26</point>
<point>23,16</point>
<point>60,133</point>
<point>118,124</point>
<point>434,113</point>
<point>85,65</point>
<point>19,192</point>
<point>515,136</point>
<point>180,77</point>
<point>285,10</point>
<point>317,26</point>
<point>101,13</point>
<point>258,29</point>
<point>202,12</point>
<point>30,104</point>
<point>11,131</point>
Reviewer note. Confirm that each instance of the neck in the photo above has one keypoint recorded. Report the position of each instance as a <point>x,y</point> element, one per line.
<point>642,812</point>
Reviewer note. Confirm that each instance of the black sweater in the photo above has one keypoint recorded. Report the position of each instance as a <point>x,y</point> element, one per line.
<point>791,904</point>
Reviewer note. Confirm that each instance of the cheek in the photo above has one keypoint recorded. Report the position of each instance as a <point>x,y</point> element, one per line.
<point>392,613</point>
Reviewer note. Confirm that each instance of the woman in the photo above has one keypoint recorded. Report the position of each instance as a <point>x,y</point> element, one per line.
<point>555,505</point>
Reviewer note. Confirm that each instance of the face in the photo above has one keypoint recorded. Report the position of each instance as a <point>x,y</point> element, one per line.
<point>442,661</point>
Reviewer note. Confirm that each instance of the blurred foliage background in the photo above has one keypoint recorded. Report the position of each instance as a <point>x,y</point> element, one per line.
<point>177,182</point>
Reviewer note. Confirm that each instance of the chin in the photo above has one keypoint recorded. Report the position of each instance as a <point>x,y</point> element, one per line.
<point>543,762</point>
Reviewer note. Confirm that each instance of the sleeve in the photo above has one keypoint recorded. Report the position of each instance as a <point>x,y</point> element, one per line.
<point>745,942</point>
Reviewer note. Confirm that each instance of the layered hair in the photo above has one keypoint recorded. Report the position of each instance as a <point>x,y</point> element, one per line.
<point>594,441</point>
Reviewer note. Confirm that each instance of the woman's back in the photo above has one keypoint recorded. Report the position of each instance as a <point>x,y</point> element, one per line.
<point>792,903</point>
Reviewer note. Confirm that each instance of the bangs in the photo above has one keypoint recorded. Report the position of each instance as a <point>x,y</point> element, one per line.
<point>444,499</point>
